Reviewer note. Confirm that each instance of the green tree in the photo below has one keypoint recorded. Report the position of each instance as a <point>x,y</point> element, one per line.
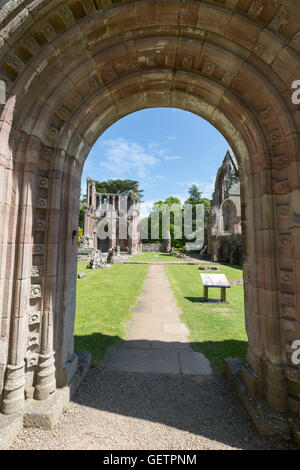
<point>169,201</point>
<point>80,233</point>
<point>195,197</point>
<point>112,187</point>
<point>118,186</point>
<point>172,200</point>
<point>81,210</point>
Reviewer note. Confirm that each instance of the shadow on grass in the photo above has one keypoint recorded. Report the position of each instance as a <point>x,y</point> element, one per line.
<point>96,344</point>
<point>228,265</point>
<point>200,405</point>
<point>210,301</point>
<point>217,351</point>
<point>215,263</point>
<point>168,255</point>
<point>194,299</point>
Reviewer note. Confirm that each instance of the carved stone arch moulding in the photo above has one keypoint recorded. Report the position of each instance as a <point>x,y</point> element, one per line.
<point>72,69</point>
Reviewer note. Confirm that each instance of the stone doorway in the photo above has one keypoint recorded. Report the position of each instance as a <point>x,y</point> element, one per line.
<point>71,69</point>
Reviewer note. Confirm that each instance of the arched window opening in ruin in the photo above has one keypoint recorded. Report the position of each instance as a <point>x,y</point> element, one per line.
<point>221,189</point>
<point>229,213</point>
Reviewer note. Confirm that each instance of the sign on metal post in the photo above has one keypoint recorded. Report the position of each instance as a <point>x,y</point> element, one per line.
<point>214,280</point>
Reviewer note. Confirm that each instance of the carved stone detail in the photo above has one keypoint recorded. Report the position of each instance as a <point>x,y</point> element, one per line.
<point>37,271</point>
<point>287,298</point>
<point>282,187</point>
<point>285,241</point>
<point>45,379</point>
<point>13,391</point>
<point>42,203</point>
<point>34,318</point>
<point>46,153</point>
<point>43,182</point>
<point>283,210</point>
<point>31,360</point>
<point>33,340</point>
<point>287,276</point>
<point>35,291</point>
<point>40,226</point>
<point>38,249</point>
<point>275,137</point>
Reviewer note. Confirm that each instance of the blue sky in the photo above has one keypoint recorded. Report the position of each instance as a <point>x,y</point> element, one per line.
<point>165,149</point>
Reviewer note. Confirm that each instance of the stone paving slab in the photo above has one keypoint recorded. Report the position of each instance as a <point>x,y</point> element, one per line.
<point>165,345</point>
<point>162,316</point>
<point>138,344</point>
<point>193,362</point>
<point>142,360</point>
<point>157,341</point>
<point>175,328</point>
<point>171,345</point>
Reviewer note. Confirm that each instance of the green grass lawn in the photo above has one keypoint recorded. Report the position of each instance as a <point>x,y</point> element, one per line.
<point>104,302</point>
<point>217,330</point>
<point>155,257</point>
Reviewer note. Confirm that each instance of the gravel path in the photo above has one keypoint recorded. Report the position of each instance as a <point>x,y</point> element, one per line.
<point>140,400</point>
<point>122,410</point>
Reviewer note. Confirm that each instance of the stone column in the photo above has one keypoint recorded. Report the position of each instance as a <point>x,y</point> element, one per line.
<point>14,385</point>
<point>9,212</point>
<point>114,222</point>
<point>264,375</point>
<point>93,194</point>
<point>94,232</point>
<point>88,191</point>
<point>65,307</point>
<point>135,236</point>
<point>45,378</point>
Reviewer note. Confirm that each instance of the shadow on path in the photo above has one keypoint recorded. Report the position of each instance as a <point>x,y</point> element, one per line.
<point>204,406</point>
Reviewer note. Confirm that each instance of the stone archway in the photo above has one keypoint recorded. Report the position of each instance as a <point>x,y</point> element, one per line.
<point>229,216</point>
<point>72,68</point>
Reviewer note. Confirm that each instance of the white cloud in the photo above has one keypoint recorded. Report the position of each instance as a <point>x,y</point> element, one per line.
<point>207,187</point>
<point>146,208</point>
<point>172,158</point>
<point>158,177</point>
<point>83,189</point>
<point>160,151</point>
<point>124,158</point>
<point>153,145</point>
<point>130,159</point>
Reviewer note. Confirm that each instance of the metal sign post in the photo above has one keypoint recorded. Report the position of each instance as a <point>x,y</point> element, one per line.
<point>214,280</point>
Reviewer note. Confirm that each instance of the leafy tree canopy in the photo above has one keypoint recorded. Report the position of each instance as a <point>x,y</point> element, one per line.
<point>194,195</point>
<point>196,198</point>
<point>82,207</point>
<point>168,201</point>
<point>112,187</point>
<point>117,186</point>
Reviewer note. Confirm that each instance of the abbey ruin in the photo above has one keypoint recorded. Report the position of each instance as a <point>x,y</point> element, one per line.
<point>112,221</point>
<point>73,68</point>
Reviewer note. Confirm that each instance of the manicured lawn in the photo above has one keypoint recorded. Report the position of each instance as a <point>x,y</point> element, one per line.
<point>154,257</point>
<point>217,330</point>
<point>104,302</point>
